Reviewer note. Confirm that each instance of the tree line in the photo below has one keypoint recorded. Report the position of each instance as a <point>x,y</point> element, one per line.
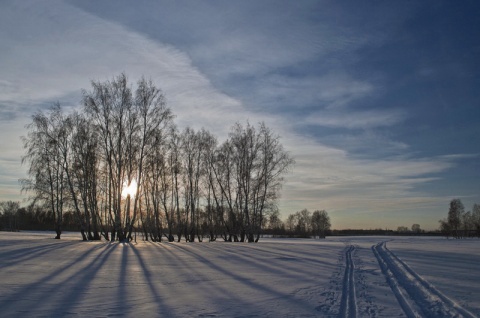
<point>461,224</point>
<point>31,217</point>
<point>415,229</point>
<point>300,224</point>
<point>122,163</point>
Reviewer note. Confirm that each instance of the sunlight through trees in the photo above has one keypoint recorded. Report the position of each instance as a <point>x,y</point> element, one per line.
<point>122,165</point>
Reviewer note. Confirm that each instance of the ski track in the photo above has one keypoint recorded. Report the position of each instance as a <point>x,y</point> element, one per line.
<point>340,298</point>
<point>348,303</point>
<point>416,296</point>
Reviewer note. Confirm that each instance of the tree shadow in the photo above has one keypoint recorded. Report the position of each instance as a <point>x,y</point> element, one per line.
<point>247,284</point>
<point>17,256</point>
<point>162,310</point>
<point>79,282</point>
<point>210,294</point>
<point>38,292</point>
<point>165,279</point>
<point>283,263</point>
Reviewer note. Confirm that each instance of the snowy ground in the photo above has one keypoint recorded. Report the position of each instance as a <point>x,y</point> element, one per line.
<point>336,277</point>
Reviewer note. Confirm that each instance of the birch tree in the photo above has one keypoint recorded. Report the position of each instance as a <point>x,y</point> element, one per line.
<point>126,126</point>
<point>320,223</point>
<point>46,165</point>
<point>455,216</point>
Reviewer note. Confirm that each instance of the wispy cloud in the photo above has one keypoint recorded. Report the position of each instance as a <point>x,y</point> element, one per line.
<point>353,119</point>
<point>329,91</point>
<point>67,52</point>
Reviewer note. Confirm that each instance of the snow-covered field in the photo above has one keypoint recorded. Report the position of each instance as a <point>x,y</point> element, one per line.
<point>336,277</point>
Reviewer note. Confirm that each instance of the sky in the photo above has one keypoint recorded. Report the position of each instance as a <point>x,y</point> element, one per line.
<point>377,101</point>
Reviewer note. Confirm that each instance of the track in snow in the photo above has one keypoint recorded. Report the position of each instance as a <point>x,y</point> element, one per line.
<point>348,305</point>
<point>416,296</point>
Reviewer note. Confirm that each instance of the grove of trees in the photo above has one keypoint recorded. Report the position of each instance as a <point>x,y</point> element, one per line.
<point>415,229</point>
<point>305,224</point>
<point>9,215</point>
<point>121,163</point>
<point>459,223</point>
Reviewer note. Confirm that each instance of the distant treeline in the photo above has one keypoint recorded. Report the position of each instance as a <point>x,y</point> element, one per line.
<point>302,224</point>
<point>360,232</point>
<point>31,218</point>
<point>461,224</point>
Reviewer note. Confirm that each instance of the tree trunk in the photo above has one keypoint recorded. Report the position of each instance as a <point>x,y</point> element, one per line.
<point>58,230</point>
<point>84,237</point>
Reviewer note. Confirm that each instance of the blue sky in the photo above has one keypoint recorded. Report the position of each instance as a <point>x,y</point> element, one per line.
<point>377,101</point>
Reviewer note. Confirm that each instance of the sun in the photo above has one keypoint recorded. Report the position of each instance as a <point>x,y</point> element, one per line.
<point>129,190</point>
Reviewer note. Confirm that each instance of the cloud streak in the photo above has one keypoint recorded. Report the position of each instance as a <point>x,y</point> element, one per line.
<point>82,47</point>
<point>352,119</point>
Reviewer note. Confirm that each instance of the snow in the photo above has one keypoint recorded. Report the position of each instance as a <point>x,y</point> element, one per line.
<point>338,276</point>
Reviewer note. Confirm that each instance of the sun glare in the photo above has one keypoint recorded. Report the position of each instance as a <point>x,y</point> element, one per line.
<point>129,189</point>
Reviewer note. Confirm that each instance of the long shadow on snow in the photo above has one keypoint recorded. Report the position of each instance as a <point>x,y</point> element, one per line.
<point>194,269</point>
<point>279,265</point>
<point>122,279</point>
<point>14,257</point>
<point>190,269</point>
<point>249,283</point>
<point>79,282</point>
<point>284,251</point>
<point>162,308</point>
<point>216,291</point>
<point>41,285</point>
<point>286,261</point>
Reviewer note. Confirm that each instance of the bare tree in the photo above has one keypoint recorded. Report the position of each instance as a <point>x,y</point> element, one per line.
<point>467,224</point>
<point>273,162</point>
<point>226,201</point>
<point>275,224</point>
<point>176,171</point>
<point>8,212</point>
<point>127,127</point>
<point>251,165</point>
<point>291,223</point>
<point>320,223</point>
<point>46,162</point>
<point>455,216</point>
<point>416,228</point>
<point>154,118</point>
<point>402,229</point>
<point>107,107</point>
<point>445,228</point>
<point>214,202</point>
<point>304,222</point>
<point>85,176</point>
<point>476,218</point>
<point>159,190</point>
<point>192,157</point>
